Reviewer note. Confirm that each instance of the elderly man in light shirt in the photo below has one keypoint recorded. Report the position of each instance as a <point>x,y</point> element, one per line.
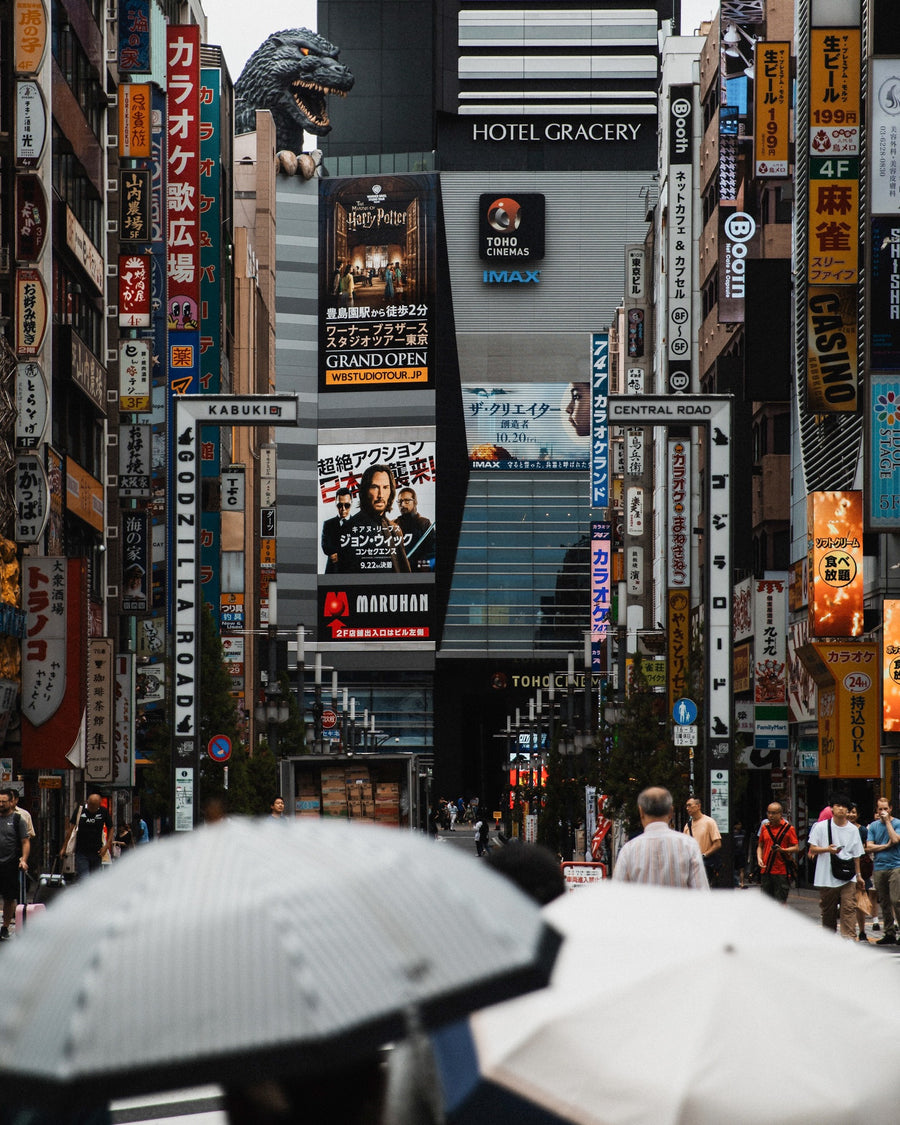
<point>660,855</point>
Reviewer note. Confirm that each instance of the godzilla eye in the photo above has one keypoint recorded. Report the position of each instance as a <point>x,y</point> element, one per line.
<point>304,50</point>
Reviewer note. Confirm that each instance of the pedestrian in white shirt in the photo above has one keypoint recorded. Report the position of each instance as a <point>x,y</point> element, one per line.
<point>837,847</point>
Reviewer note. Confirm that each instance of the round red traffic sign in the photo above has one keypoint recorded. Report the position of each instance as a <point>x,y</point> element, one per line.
<point>329,720</point>
<point>219,748</point>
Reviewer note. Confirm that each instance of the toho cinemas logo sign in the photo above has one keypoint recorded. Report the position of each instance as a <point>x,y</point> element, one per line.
<point>377,613</point>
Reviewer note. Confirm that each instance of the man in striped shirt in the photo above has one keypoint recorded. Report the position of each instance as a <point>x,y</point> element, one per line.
<point>660,855</point>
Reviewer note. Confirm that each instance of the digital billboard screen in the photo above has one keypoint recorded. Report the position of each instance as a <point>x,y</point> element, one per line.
<point>377,280</point>
<point>376,505</point>
<point>528,425</point>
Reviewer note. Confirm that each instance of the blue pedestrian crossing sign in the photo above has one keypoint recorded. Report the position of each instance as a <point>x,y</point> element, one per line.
<point>219,748</point>
<point>684,712</point>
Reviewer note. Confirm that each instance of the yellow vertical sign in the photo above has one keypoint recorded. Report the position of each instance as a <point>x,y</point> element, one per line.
<point>890,663</point>
<point>833,232</point>
<point>678,623</point>
<point>29,35</point>
<point>134,119</point>
<point>849,727</point>
<point>772,106</point>
<point>834,91</point>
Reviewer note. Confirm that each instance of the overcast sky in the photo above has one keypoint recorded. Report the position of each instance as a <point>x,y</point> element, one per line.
<point>230,28</point>
<point>240,26</point>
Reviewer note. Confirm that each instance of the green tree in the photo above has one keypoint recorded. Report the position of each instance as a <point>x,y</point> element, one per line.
<point>551,822</point>
<point>639,753</point>
<point>564,793</point>
<point>251,784</point>
<point>292,732</point>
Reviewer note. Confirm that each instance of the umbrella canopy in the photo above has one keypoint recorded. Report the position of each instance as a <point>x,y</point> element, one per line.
<point>671,1007</point>
<point>253,948</point>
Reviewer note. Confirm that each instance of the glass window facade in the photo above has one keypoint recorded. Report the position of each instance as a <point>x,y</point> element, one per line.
<point>73,185</point>
<point>81,76</point>
<point>521,581</point>
<point>402,703</point>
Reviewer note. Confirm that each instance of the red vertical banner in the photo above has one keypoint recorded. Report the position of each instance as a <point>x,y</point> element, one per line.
<point>183,176</point>
<point>54,661</point>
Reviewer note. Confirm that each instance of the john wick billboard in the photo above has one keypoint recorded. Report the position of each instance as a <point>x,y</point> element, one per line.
<point>376,505</point>
<point>377,269</point>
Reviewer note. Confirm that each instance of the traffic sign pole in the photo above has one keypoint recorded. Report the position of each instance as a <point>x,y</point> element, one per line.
<point>714,413</point>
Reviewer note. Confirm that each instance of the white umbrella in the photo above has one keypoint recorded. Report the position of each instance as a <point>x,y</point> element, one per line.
<point>667,1006</point>
<point>250,948</point>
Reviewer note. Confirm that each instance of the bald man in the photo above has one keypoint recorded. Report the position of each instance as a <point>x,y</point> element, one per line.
<point>660,855</point>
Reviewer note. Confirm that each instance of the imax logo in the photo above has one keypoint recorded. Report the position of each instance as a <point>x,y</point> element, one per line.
<point>511,277</point>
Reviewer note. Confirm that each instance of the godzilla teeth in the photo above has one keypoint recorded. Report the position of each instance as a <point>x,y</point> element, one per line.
<point>298,83</point>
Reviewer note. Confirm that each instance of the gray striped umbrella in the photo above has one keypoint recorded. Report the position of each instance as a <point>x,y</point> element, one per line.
<point>250,949</point>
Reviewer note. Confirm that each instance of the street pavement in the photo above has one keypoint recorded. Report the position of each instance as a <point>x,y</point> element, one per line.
<point>805,900</point>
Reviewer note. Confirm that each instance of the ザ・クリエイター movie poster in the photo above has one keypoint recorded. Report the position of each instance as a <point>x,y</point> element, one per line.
<point>377,282</point>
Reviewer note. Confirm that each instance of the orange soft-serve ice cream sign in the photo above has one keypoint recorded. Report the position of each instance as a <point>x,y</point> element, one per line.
<point>890,659</point>
<point>835,553</point>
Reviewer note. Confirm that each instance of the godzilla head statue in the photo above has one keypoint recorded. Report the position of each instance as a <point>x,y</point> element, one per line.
<point>291,75</point>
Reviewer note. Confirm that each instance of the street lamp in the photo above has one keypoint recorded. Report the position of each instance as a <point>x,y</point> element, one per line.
<point>317,705</point>
<point>301,659</point>
<point>274,710</point>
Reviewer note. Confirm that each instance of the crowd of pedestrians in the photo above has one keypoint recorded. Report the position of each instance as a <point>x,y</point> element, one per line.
<point>856,867</point>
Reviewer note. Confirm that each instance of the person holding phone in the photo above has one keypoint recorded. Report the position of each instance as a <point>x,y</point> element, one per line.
<point>883,844</point>
<point>837,838</point>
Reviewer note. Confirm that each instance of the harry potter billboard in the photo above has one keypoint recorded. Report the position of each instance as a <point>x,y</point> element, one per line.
<point>377,282</point>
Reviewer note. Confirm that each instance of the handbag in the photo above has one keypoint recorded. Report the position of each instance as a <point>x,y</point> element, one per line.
<point>865,904</point>
<point>842,869</point>
<point>69,855</point>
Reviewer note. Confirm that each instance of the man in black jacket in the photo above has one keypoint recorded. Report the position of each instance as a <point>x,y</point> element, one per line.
<point>331,529</point>
<point>418,535</point>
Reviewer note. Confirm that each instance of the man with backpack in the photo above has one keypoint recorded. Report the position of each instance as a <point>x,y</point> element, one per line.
<point>14,850</point>
<point>776,846</point>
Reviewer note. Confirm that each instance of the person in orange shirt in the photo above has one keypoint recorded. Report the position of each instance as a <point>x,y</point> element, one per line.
<point>777,840</point>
